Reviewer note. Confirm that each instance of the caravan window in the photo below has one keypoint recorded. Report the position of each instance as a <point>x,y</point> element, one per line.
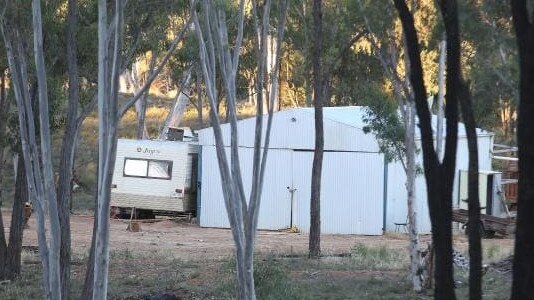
<point>147,168</point>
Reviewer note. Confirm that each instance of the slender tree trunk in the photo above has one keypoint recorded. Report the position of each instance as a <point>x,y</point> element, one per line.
<point>474,228</point>
<point>243,216</point>
<point>141,104</point>
<point>199,98</point>
<point>308,89</point>
<point>19,78</point>
<point>415,250</point>
<point>109,63</point>
<point>314,246</point>
<point>405,99</point>
<point>46,155</point>
<point>87,291</point>
<point>14,249</point>
<point>10,253</point>
<point>4,109</point>
<point>441,96</point>
<point>142,132</point>
<point>439,176</point>
<point>64,185</point>
<point>3,250</point>
<point>523,273</point>
<point>180,103</point>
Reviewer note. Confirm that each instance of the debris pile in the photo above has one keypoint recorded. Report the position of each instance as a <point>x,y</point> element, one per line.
<point>503,266</point>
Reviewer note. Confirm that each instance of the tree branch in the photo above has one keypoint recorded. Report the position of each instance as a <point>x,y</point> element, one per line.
<point>156,72</point>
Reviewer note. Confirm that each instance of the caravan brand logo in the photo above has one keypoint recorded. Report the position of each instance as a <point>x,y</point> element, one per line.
<point>148,151</point>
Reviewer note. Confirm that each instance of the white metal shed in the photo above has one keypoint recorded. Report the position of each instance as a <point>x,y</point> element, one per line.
<point>360,194</point>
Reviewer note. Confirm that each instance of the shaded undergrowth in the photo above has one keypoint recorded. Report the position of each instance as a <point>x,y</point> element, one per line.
<point>367,273</point>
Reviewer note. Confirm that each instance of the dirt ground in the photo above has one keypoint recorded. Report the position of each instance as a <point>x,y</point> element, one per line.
<point>189,241</point>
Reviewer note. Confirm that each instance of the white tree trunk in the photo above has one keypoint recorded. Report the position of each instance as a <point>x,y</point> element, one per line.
<point>37,160</point>
<point>441,84</point>
<point>214,48</point>
<point>176,113</point>
<point>405,98</point>
<point>415,249</point>
<point>109,61</point>
<point>46,154</point>
<point>141,103</point>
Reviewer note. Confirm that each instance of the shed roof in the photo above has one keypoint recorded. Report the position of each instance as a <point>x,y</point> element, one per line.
<point>354,116</point>
<point>348,115</point>
<point>293,129</point>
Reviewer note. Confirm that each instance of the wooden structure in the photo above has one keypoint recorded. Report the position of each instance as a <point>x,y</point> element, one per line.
<point>510,172</point>
<point>489,224</point>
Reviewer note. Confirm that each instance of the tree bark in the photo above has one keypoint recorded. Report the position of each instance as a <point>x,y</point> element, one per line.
<point>415,249</point>
<point>314,246</point>
<point>213,48</point>
<point>199,98</point>
<point>176,113</point>
<point>439,176</point>
<point>19,79</point>
<point>109,68</point>
<point>37,162</point>
<point>13,256</point>
<point>405,99</point>
<point>10,253</point>
<point>441,96</point>
<point>140,105</point>
<point>46,154</point>
<point>87,291</point>
<point>474,229</point>
<point>109,62</point>
<point>4,109</point>
<point>523,271</point>
<point>64,185</point>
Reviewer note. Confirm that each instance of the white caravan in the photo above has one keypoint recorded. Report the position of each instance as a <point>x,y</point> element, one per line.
<point>155,176</point>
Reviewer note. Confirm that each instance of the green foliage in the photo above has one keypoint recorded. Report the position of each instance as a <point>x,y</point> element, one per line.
<point>382,119</point>
<point>491,65</point>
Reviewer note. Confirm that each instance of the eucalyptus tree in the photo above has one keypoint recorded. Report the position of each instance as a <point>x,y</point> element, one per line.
<point>37,160</point>
<point>491,56</point>
<point>10,246</point>
<point>394,125</point>
<point>175,115</point>
<point>320,92</point>
<point>110,61</point>
<point>439,175</point>
<point>321,44</point>
<point>350,70</point>
<point>215,51</point>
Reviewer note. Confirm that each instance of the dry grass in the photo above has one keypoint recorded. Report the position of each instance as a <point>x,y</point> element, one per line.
<point>369,273</point>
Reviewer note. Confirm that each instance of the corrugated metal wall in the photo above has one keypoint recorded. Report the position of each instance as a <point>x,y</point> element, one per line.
<point>351,192</point>
<point>397,209</point>
<point>275,212</point>
<point>351,196</point>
